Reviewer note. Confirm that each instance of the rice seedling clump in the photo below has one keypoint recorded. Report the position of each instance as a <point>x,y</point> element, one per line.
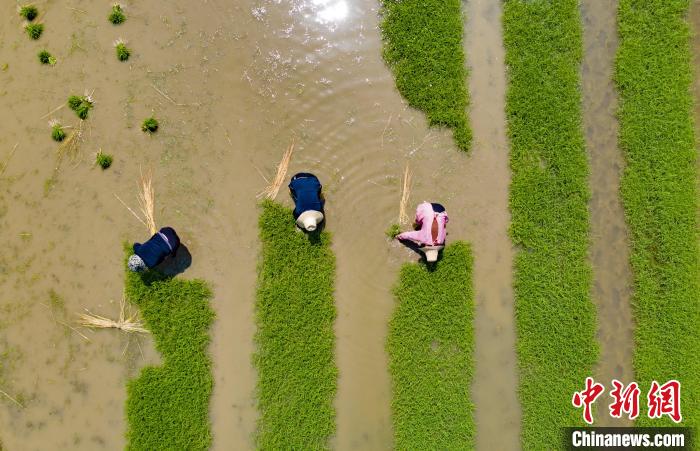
<point>150,125</point>
<point>34,30</point>
<point>28,12</point>
<point>46,58</point>
<point>103,160</point>
<point>295,312</point>
<point>555,316</point>
<point>57,132</point>
<point>167,406</point>
<point>123,52</point>
<point>430,346</point>
<point>423,47</point>
<point>117,15</point>
<point>654,76</point>
<point>81,105</point>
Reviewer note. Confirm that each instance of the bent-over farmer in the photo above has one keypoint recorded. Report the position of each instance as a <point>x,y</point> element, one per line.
<point>305,189</point>
<point>163,244</point>
<point>431,220</point>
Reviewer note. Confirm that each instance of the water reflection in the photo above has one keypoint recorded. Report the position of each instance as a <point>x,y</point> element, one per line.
<point>331,11</point>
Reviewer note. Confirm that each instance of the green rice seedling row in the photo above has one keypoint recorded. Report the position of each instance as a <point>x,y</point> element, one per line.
<point>555,317</point>
<point>430,346</point>
<point>660,197</point>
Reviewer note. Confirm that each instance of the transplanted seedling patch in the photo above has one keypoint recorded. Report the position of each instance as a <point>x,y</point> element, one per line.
<point>150,125</point>
<point>103,160</point>
<point>117,16</point>
<point>34,30</point>
<point>430,346</point>
<point>28,12</point>
<point>123,52</point>
<point>423,47</point>
<point>46,58</point>
<point>295,312</point>
<point>167,406</point>
<point>81,105</point>
<point>654,75</point>
<point>555,316</point>
<point>57,132</point>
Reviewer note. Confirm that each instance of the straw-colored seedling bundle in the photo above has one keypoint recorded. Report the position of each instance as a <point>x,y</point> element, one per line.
<point>270,192</point>
<point>405,195</point>
<point>71,144</point>
<point>147,203</point>
<point>127,322</point>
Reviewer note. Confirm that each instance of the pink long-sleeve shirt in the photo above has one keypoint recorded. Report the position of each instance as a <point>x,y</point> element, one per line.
<point>424,218</point>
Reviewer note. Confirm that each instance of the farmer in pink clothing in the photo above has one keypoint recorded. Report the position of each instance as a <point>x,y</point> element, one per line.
<point>430,237</point>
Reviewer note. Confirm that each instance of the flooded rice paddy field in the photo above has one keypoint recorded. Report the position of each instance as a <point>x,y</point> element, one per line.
<point>232,85</point>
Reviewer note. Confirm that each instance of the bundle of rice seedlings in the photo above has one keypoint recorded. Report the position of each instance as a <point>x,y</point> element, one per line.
<point>270,192</point>
<point>70,145</point>
<point>147,203</point>
<point>127,322</point>
<point>405,194</point>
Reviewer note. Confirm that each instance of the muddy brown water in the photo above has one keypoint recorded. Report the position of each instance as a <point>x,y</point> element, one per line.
<point>237,83</point>
<point>609,250</point>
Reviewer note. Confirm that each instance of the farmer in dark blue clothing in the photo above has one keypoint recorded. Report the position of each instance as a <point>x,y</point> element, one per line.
<point>306,192</point>
<point>161,245</point>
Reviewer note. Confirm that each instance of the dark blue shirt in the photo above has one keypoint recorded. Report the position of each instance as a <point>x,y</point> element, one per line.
<point>154,251</point>
<point>306,192</point>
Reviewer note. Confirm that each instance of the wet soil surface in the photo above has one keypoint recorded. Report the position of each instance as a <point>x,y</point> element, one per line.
<point>609,240</point>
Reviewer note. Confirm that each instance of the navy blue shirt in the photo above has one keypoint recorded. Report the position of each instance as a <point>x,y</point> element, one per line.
<point>306,192</point>
<point>154,251</point>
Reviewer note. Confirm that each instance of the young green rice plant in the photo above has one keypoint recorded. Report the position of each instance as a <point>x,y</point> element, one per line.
<point>167,406</point>
<point>46,58</point>
<point>28,12</point>
<point>295,312</point>
<point>103,160</point>
<point>117,15</point>
<point>123,52</point>
<point>57,132</point>
<point>34,30</point>
<point>423,47</point>
<point>555,316</point>
<point>149,125</point>
<point>393,231</point>
<point>654,76</point>
<point>81,105</point>
<point>430,346</point>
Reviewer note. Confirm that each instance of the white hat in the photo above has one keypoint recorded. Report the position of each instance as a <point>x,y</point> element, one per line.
<point>309,220</point>
<point>431,255</point>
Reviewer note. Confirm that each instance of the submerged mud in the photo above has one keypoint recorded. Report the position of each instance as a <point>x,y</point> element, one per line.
<point>495,384</point>
<point>609,240</point>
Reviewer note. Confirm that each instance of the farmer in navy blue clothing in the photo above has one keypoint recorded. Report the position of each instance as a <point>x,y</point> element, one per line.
<point>306,192</point>
<point>161,245</point>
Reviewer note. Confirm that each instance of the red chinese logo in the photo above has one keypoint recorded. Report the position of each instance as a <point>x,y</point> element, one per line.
<point>626,400</point>
<point>587,397</point>
<point>665,400</point>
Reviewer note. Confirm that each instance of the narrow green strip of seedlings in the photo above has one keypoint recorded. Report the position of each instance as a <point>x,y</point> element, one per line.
<point>28,12</point>
<point>34,30</point>
<point>123,52</point>
<point>150,125</point>
<point>117,15</point>
<point>423,46</point>
<point>659,192</point>
<point>555,316</point>
<point>167,406</point>
<point>295,312</point>
<point>46,58</point>
<point>103,160</point>
<point>430,346</point>
<point>57,132</point>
